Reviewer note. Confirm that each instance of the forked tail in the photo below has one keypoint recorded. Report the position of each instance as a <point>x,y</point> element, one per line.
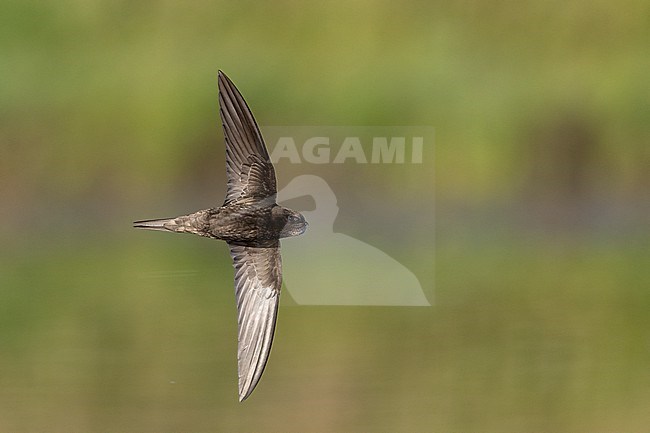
<point>163,224</point>
<point>192,223</point>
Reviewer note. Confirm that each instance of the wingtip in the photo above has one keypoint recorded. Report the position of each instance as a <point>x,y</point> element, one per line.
<point>244,394</point>
<point>222,78</point>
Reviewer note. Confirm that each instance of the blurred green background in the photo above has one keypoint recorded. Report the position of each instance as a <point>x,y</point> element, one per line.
<point>108,113</point>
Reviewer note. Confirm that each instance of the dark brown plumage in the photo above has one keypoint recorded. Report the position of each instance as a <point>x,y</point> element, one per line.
<point>252,223</point>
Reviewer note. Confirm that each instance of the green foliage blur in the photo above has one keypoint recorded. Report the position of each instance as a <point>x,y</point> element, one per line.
<point>108,114</point>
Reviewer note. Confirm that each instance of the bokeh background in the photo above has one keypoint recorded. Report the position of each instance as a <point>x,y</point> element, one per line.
<point>108,113</point>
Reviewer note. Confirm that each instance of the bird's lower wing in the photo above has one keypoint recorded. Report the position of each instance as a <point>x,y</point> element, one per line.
<point>258,278</point>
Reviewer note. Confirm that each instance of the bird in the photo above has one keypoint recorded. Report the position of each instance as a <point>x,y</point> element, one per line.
<point>252,224</point>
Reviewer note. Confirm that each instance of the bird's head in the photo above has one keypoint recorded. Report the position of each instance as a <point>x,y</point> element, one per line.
<point>294,223</point>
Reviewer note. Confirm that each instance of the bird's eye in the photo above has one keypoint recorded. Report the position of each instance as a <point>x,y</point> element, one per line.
<point>293,218</point>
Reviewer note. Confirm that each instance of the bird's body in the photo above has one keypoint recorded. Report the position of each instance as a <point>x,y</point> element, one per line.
<point>252,223</point>
<point>239,224</point>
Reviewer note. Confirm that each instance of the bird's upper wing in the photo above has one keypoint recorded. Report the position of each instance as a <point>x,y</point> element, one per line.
<point>248,165</point>
<point>258,278</point>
